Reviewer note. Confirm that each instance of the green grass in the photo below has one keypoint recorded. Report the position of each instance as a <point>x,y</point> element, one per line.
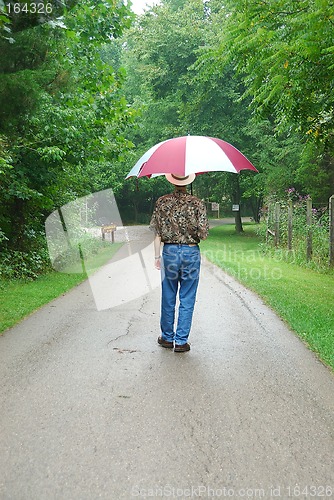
<point>19,298</point>
<point>303,298</point>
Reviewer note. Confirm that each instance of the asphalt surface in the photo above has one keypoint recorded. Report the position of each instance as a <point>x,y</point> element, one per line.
<point>92,407</point>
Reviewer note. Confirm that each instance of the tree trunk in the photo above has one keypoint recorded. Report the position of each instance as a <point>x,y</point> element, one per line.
<point>135,211</point>
<point>238,222</point>
<point>256,206</point>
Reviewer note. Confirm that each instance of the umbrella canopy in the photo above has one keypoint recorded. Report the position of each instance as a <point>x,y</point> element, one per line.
<point>190,154</point>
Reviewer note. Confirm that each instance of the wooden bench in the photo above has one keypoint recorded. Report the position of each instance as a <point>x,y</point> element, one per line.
<point>110,229</point>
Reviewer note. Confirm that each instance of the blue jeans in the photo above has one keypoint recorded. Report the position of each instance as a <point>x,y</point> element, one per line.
<point>179,273</point>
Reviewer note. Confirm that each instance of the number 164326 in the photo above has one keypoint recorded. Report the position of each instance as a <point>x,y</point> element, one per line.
<point>29,8</point>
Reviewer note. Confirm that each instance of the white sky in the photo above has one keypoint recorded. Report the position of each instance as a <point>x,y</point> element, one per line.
<point>138,6</point>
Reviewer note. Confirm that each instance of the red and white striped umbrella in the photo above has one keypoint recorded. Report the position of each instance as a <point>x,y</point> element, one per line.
<point>190,154</point>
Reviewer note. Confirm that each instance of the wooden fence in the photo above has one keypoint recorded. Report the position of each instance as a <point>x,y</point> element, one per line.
<point>275,231</point>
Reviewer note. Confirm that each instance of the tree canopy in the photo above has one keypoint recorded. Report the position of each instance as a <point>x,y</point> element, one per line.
<point>283,52</point>
<point>257,74</point>
<point>62,111</point>
<point>87,87</point>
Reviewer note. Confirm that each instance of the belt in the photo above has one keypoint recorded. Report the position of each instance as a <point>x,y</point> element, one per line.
<point>182,244</point>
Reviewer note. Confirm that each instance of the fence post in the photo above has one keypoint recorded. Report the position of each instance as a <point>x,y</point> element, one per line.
<point>277,215</point>
<point>331,231</point>
<point>309,229</point>
<point>290,225</point>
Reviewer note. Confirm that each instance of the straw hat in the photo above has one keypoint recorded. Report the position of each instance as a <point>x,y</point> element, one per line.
<point>180,180</point>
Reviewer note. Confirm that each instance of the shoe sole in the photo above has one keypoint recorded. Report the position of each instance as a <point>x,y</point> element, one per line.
<point>181,349</point>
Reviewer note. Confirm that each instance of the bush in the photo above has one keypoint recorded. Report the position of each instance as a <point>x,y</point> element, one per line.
<point>23,265</point>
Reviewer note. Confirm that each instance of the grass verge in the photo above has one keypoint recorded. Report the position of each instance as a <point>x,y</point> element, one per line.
<point>20,298</point>
<point>301,297</point>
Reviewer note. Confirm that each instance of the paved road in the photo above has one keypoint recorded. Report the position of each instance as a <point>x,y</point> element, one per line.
<point>92,407</point>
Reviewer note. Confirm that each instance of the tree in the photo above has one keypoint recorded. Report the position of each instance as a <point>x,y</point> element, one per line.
<point>63,115</point>
<point>283,50</point>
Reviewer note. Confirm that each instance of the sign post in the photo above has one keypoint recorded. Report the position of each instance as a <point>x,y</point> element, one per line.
<point>109,230</point>
<point>215,208</point>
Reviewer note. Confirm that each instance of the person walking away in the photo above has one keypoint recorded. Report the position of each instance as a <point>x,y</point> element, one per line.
<point>179,221</point>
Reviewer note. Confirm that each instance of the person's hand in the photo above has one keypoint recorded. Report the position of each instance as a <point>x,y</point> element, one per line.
<point>157,263</point>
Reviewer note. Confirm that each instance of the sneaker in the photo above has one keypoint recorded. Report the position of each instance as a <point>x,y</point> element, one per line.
<point>165,343</point>
<point>182,347</point>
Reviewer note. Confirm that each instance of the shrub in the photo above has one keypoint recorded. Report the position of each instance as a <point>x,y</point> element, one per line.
<point>23,265</point>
